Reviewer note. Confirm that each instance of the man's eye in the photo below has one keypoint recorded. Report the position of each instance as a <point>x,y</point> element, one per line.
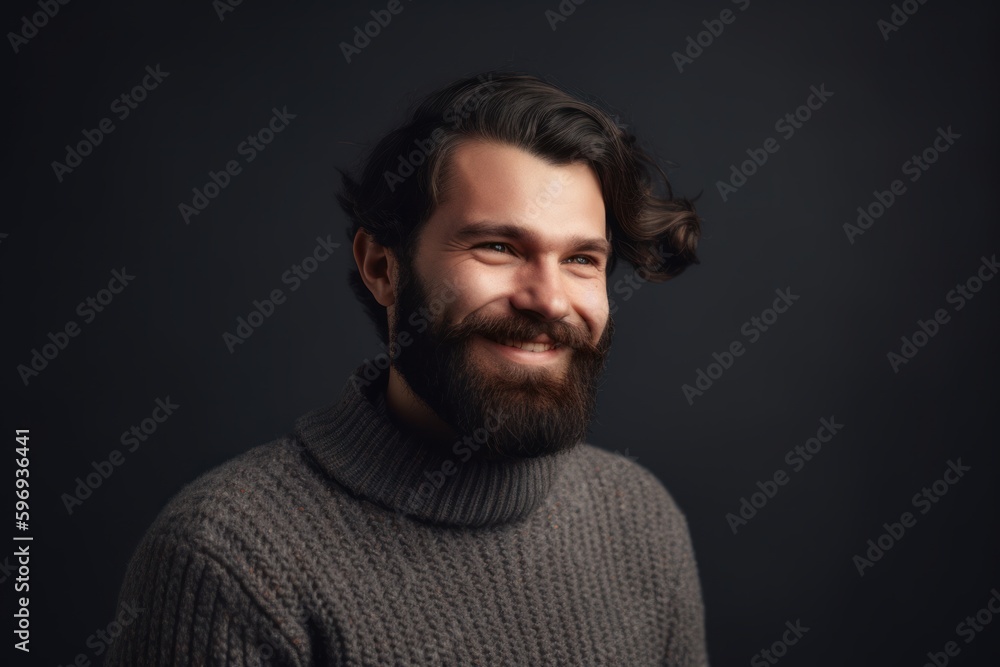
<point>576,259</point>
<point>495,245</point>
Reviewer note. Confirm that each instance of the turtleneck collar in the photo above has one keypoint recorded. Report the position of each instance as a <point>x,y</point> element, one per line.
<point>356,442</point>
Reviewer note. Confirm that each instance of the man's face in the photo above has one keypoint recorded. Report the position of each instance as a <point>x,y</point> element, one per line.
<point>514,263</point>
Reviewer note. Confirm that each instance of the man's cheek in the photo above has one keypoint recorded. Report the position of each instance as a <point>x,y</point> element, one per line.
<point>443,307</point>
<point>596,313</point>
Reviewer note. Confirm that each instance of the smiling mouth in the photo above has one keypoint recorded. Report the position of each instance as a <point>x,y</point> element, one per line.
<point>528,346</point>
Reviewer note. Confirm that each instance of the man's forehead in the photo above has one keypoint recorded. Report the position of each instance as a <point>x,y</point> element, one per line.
<point>485,166</point>
<point>503,183</point>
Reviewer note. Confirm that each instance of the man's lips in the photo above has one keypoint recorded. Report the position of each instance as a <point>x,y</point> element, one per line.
<point>537,345</point>
<point>529,346</point>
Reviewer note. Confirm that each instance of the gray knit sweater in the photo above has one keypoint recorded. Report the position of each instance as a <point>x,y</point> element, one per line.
<point>324,548</point>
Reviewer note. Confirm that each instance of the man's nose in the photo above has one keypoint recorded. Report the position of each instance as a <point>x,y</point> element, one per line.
<point>541,290</point>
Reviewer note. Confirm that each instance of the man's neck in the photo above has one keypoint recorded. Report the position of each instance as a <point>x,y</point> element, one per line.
<point>357,442</point>
<point>412,412</point>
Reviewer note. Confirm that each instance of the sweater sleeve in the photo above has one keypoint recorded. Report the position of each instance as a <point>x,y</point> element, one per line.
<point>185,608</point>
<point>686,617</point>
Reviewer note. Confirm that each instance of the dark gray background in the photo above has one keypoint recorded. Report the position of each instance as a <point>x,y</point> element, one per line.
<point>825,357</point>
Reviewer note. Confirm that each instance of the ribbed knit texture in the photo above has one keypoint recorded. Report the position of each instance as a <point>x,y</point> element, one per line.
<point>310,550</point>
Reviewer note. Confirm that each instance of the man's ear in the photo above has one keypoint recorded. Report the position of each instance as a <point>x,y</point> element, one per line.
<point>377,265</point>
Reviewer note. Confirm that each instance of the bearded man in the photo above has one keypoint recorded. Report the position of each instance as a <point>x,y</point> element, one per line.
<point>446,510</point>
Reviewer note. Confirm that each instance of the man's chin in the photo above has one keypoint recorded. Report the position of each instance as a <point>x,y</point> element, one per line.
<point>516,421</point>
<point>544,411</point>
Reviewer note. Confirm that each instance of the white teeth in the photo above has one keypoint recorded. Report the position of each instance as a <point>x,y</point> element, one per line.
<point>528,346</point>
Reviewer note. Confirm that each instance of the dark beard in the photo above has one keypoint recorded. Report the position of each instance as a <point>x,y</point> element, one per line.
<point>524,412</point>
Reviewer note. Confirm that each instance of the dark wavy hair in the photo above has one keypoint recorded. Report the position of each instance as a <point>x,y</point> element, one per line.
<point>405,176</point>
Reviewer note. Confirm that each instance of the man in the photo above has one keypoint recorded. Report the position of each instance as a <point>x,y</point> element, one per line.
<point>445,510</point>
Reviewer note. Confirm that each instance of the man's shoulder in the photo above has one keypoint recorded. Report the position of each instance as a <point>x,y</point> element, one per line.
<point>232,498</point>
<point>632,504</point>
<point>620,473</point>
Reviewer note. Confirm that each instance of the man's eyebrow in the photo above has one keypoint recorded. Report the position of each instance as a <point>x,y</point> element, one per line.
<point>485,228</point>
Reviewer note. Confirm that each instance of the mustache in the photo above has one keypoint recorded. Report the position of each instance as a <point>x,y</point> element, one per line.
<point>521,328</point>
